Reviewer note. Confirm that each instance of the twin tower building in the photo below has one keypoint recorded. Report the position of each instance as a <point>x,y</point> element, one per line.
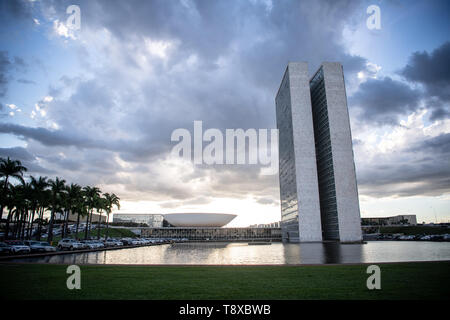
<point>318,191</point>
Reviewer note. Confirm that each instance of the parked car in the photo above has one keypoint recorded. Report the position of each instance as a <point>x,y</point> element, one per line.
<point>4,248</point>
<point>126,241</point>
<point>118,242</point>
<point>18,246</point>
<point>406,237</point>
<point>70,244</point>
<point>40,246</point>
<point>87,244</point>
<point>99,243</point>
<point>110,243</point>
<point>136,242</point>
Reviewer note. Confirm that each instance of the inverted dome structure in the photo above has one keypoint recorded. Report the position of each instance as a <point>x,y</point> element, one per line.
<point>199,219</point>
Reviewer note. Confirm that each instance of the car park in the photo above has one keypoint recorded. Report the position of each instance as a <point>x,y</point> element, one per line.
<point>18,246</point>
<point>88,244</point>
<point>136,242</point>
<point>126,241</point>
<point>40,246</point>
<point>70,244</point>
<point>4,248</point>
<point>118,242</point>
<point>111,243</point>
<point>406,237</point>
<point>99,244</point>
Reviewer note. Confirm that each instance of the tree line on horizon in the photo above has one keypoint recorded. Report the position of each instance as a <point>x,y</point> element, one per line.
<point>26,202</point>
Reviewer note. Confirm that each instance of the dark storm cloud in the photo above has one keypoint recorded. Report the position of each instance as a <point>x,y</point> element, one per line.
<point>16,153</point>
<point>239,51</point>
<point>384,101</point>
<point>239,95</point>
<point>423,177</point>
<point>27,159</point>
<point>45,136</point>
<point>297,31</point>
<point>6,66</point>
<point>432,70</point>
<point>439,145</point>
<point>17,9</point>
<point>58,138</point>
<point>421,169</point>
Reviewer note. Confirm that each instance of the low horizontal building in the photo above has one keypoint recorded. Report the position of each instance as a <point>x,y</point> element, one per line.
<point>214,233</point>
<point>73,217</point>
<point>409,219</point>
<point>150,219</point>
<point>266,225</point>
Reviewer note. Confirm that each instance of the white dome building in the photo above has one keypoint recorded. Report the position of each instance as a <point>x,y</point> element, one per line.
<point>199,219</point>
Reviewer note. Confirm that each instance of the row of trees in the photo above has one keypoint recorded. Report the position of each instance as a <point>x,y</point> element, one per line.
<point>26,202</point>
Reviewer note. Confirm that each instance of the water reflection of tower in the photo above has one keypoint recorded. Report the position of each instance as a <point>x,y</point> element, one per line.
<point>331,252</point>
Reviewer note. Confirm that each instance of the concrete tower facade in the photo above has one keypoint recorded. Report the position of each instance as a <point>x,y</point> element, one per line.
<point>299,193</point>
<point>318,191</point>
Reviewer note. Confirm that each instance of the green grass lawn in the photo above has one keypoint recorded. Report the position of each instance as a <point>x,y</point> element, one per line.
<point>398,281</point>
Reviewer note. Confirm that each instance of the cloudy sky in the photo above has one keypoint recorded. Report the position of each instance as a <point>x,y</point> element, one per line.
<point>97,105</point>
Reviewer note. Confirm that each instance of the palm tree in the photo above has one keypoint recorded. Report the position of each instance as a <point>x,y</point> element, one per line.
<point>3,195</point>
<point>25,205</point>
<point>38,186</point>
<point>92,194</point>
<point>44,204</point>
<point>10,202</point>
<point>101,205</point>
<point>57,188</point>
<point>111,200</point>
<point>26,200</point>
<point>72,198</point>
<point>81,209</point>
<point>17,205</point>
<point>10,169</point>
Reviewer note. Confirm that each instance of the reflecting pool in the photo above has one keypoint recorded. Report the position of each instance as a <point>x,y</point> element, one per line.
<point>276,253</point>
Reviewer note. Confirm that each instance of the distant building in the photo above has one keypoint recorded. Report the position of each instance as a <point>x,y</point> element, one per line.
<point>266,225</point>
<point>152,220</point>
<point>73,217</point>
<point>409,219</point>
<point>214,233</point>
<point>198,219</point>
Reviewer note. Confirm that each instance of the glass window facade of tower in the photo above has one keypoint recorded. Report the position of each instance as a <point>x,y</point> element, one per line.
<point>288,187</point>
<point>324,158</point>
